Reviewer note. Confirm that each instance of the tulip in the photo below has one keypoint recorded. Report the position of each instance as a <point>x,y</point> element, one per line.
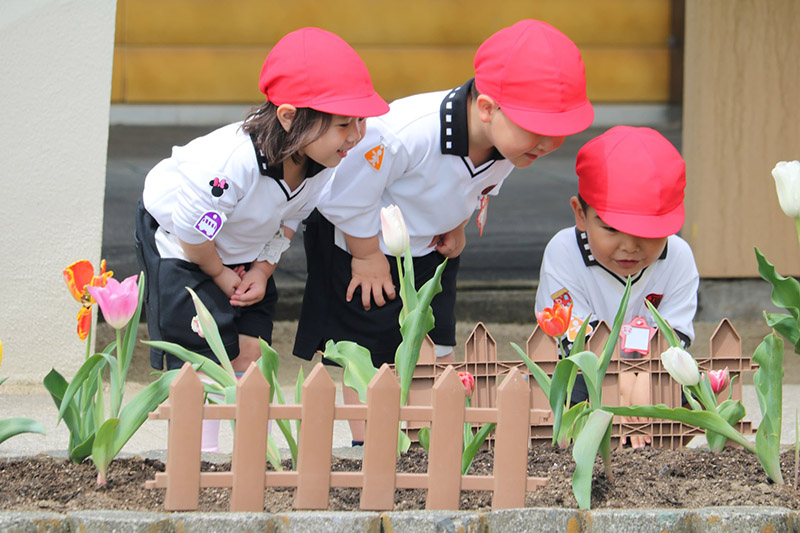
<point>681,366</point>
<point>117,301</point>
<point>469,382</point>
<point>393,228</point>
<point>196,327</point>
<point>555,320</point>
<point>787,182</point>
<point>78,276</point>
<point>718,379</point>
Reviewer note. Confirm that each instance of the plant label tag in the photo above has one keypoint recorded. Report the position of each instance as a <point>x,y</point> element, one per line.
<point>209,224</point>
<point>635,336</point>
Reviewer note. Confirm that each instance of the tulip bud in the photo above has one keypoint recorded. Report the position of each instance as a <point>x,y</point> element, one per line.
<point>197,328</point>
<point>681,366</point>
<point>555,320</point>
<point>718,379</point>
<point>787,182</point>
<point>118,301</point>
<point>393,228</point>
<point>469,382</point>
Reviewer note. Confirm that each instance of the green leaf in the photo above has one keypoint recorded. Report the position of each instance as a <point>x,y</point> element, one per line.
<point>424,438</point>
<point>81,450</point>
<point>584,452</point>
<point>580,339</point>
<point>567,430</point>
<point>785,291</point>
<point>56,385</point>
<point>768,381</point>
<point>102,453</point>
<point>474,445</point>
<point>209,367</point>
<point>11,427</point>
<point>665,329</point>
<point>403,441</point>
<point>732,412</point>
<point>268,363</point>
<point>211,333</point>
<point>129,339</point>
<point>786,325</point>
<point>536,371</point>
<point>608,349</point>
<point>702,419</point>
<point>273,456</point>
<point>357,364</point>
<point>82,376</point>
<point>587,362</point>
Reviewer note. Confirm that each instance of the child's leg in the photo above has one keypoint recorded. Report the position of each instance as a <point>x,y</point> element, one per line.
<point>634,388</point>
<point>249,352</point>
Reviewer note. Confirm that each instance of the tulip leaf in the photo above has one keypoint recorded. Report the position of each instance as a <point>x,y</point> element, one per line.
<point>536,371</point>
<point>732,411</point>
<point>785,291</point>
<point>665,329</point>
<point>102,453</point>
<point>83,376</point>
<point>587,362</point>
<point>569,429</point>
<point>608,349</point>
<point>474,445</point>
<point>786,325</point>
<point>207,366</point>
<point>268,363</point>
<point>211,333</point>
<point>357,364</point>
<point>10,427</point>
<point>580,338</point>
<point>424,438</point>
<point>56,385</point>
<point>81,450</point>
<point>768,381</point>
<point>584,452</point>
<point>131,331</point>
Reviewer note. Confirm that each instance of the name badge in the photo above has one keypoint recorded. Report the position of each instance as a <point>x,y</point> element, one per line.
<point>635,336</point>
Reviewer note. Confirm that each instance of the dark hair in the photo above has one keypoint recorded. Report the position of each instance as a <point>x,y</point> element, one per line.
<point>277,144</point>
<point>583,203</point>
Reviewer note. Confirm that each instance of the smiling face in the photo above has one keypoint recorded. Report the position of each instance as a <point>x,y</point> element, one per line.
<point>520,146</point>
<point>332,146</point>
<point>621,253</point>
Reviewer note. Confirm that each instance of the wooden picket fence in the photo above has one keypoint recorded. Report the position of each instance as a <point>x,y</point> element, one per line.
<point>446,414</point>
<point>480,359</point>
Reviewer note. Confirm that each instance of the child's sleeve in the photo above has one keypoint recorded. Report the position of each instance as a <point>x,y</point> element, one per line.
<point>353,200</point>
<point>201,193</point>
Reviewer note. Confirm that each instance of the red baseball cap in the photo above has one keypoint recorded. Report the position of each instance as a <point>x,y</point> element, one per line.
<point>536,75</point>
<point>315,68</point>
<point>634,178</point>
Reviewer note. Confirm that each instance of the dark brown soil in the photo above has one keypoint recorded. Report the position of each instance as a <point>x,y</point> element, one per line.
<point>649,478</point>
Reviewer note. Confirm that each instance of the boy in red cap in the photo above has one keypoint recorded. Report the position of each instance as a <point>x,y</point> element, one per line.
<point>627,213</point>
<point>438,157</point>
<point>217,215</point>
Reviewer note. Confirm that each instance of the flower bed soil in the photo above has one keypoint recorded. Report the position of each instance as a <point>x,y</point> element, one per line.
<point>649,478</point>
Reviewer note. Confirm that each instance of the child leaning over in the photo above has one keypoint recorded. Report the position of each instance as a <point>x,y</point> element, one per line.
<point>219,212</point>
<point>627,214</point>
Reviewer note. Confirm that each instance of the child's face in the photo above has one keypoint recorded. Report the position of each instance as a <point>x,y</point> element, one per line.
<point>621,253</point>
<point>520,146</point>
<point>332,146</point>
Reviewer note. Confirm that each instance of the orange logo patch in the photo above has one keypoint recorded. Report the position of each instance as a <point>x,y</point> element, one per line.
<point>374,157</point>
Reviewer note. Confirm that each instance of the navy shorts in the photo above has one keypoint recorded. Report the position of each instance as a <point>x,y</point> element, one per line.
<point>169,307</point>
<point>326,315</point>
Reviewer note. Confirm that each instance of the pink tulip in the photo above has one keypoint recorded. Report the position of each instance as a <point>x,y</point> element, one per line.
<point>469,382</point>
<point>718,379</point>
<point>117,301</point>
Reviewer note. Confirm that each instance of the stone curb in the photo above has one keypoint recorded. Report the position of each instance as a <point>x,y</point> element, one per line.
<point>705,520</point>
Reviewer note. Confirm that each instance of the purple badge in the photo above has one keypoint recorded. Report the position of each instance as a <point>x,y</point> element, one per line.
<point>209,224</point>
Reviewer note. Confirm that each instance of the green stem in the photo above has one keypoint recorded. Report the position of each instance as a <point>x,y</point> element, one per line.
<point>402,285</point>
<point>120,370</point>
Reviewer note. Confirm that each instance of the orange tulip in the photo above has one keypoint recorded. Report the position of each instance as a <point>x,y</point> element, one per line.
<point>555,320</point>
<point>78,276</point>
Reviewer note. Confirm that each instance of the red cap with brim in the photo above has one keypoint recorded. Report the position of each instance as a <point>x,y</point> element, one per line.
<point>536,75</point>
<point>315,68</point>
<point>634,179</point>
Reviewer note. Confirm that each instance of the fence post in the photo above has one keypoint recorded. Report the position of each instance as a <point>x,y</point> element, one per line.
<point>380,450</point>
<point>250,441</point>
<point>447,430</point>
<point>511,442</point>
<point>183,441</point>
<point>316,440</point>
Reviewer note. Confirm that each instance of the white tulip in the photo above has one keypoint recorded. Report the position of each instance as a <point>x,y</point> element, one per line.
<point>393,228</point>
<point>787,182</point>
<point>681,366</point>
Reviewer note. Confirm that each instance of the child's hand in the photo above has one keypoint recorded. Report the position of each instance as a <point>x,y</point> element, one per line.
<point>239,269</point>
<point>253,286</point>
<point>372,274</point>
<point>634,389</point>
<point>227,280</point>
<point>452,243</point>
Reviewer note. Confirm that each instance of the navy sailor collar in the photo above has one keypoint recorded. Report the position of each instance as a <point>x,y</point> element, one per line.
<point>454,132</point>
<point>588,259</point>
<point>276,172</point>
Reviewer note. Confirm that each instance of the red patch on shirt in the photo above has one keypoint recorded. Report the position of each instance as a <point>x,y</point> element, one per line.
<point>654,299</point>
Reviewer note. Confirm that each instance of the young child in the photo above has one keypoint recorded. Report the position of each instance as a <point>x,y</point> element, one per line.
<point>219,212</point>
<point>437,156</point>
<point>629,208</point>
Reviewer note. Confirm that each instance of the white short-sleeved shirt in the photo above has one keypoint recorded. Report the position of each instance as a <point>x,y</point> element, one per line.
<point>416,157</point>
<point>570,272</point>
<point>223,176</point>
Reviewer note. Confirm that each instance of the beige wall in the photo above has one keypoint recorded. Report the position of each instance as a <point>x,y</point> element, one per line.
<point>741,115</point>
<point>55,88</point>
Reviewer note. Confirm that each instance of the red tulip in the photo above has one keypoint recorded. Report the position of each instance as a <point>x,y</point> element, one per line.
<point>78,276</point>
<point>718,379</point>
<point>555,320</point>
<point>469,382</point>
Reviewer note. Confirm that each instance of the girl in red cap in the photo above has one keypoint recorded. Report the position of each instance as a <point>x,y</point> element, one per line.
<point>217,215</point>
